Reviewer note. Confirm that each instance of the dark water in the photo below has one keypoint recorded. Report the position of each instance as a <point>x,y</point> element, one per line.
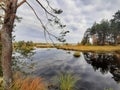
<point>97,71</point>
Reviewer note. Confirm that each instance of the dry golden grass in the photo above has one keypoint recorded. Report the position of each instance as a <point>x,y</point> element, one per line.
<point>90,48</point>
<point>28,83</point>
<point>44,46</point>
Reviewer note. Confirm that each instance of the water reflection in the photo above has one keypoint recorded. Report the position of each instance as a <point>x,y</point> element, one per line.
<point>105,62</point>
<point>21,58</point>
<point>48,63</point>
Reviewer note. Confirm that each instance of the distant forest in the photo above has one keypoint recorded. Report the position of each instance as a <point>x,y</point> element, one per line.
<point>104,33</point>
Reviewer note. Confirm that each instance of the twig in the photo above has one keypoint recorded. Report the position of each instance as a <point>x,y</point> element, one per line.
<point>22,2</point>
<point>49,4</point>
<point>35,14</point>
<point>45,9</point>
<point>40,20</point>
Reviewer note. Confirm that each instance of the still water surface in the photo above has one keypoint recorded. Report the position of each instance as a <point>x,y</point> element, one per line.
<point>96,71</point>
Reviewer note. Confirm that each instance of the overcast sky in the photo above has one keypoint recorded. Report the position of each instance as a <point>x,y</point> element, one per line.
<point>78,15</point>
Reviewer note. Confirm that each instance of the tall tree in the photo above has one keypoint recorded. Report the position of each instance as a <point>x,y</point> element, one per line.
<point>104,28</point>
<point>101,31</point>
<point>6,39</point>
<point>86,37</point>
<point>115,26</point>
<point>10,8</point>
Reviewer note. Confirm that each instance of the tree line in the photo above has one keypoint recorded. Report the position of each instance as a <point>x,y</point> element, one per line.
<point>107,32</point>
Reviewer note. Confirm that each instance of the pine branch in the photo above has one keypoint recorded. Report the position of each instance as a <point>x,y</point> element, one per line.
<point>21,3</point>
<point>45,9</point>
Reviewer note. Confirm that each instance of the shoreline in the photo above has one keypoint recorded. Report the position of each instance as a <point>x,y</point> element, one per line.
<point>91,48</point>
<point>84,48</point>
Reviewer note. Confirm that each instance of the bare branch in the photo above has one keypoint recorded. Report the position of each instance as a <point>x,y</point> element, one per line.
<point>35,13</point>
<point>49,4</point>
<point>40,20</point>
<point>56,20</point>
<point>45,36</point>
<point>21,3</point>
<point>51,40</point>
<point>45,9</point>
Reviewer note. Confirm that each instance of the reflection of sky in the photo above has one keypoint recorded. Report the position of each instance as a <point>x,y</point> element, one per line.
<point>49,62</point>
<point>78,15</point>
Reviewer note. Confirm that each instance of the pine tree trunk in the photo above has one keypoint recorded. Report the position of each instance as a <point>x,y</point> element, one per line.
<point>6,39</point>
<point>6,57</point>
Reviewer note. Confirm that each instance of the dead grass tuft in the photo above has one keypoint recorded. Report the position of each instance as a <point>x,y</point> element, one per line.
<point>28,83</point>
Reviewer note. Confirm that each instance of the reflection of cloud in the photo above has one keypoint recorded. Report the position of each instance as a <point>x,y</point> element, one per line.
<point>78,15</point>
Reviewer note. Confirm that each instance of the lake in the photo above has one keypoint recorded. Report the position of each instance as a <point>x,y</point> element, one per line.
<point>96,71</point>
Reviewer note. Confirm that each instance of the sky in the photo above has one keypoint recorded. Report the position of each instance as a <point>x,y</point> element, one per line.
<point>78,15</point>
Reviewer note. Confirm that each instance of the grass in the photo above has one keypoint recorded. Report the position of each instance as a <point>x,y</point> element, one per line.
<point>28,83</point>
<point>67,82</point>
<point>90,48</point>
<point>83,48</point>
<point>44,46</point>
<point>76,54</point>
<point>78,47</point>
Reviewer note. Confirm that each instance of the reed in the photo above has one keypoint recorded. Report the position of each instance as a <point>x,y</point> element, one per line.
<point>67,82</point>
<point>28,83</point>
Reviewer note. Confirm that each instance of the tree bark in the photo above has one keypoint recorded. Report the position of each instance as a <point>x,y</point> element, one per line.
<point>6,39</point>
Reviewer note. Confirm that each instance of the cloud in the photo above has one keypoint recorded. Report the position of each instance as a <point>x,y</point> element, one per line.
<point>78,15</point>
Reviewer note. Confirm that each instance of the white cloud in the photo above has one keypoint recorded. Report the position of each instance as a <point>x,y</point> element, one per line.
<point>78,15</point>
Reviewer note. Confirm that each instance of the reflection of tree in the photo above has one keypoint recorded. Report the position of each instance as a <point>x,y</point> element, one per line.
<point>22,54</point>
<point>105,62</point>
<point>24,48</point>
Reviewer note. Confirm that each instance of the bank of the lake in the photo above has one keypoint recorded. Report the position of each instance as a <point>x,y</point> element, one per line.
<point>90,48</point>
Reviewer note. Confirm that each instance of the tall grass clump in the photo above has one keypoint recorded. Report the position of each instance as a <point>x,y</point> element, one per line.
<point>67,81</point>
<point>76,54</point>
<point>28,83</point>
